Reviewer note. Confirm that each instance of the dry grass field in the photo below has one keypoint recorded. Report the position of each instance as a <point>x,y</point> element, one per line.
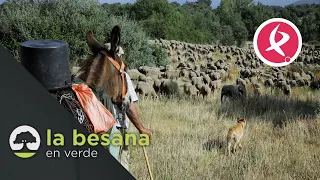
<point>282,140</point>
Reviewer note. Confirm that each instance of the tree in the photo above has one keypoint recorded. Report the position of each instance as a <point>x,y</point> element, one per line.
<point>118,9</point>
<point>309,28</point>
<point>155,25</point>
<point>205,2</point>
<point>241,5</point>
<point>69,21</point>
<point>318,22</point>
<point>228,37</point>
<point>226,11</point>
<point>143,9</point>
<point>253,16</point>
<point>175,4</point>
<point>240,33</point>
<point>25,138</point>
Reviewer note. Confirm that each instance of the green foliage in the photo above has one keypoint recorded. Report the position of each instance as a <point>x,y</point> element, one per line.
<point>240,33</point>
<point>228,37</point>
<point>160,55</point>
<point>118,9</point>
<point>145,8</point>
<point>254,16</point>
<point>198,22</point>
<point>232,23</point>
<point>69,21</point>
<point>154,25</point>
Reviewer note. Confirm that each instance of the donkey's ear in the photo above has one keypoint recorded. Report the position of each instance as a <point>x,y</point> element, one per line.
<point>93,44</point>
<point>115,38</point>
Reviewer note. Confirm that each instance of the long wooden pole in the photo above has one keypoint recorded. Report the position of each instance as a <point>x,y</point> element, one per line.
<point>147,161</point>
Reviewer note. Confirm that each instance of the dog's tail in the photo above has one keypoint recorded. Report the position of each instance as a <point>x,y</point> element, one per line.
<point>229,136</point>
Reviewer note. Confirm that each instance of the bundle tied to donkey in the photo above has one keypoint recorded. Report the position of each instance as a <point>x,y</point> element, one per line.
<point>100,118</point>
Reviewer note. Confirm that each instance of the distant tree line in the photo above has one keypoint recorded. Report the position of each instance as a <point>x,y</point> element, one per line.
<point>232,23</point>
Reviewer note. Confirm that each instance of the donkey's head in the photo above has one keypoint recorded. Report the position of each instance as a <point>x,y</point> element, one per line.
<point>103,68</point>
<point>96,47</point>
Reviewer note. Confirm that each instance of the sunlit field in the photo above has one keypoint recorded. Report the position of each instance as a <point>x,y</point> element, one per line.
<point>189,138</point>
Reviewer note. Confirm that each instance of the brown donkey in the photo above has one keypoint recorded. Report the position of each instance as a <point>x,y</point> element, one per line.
<point>105,69</point>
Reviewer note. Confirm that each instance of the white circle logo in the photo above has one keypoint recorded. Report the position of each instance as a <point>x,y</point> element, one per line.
<point>24,141</point>
<point>277,42</point>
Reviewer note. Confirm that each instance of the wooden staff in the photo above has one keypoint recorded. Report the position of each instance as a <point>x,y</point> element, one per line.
<point>147,161</point>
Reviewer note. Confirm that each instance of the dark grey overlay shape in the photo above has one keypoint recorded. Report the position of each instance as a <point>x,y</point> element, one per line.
<point>24,101</point>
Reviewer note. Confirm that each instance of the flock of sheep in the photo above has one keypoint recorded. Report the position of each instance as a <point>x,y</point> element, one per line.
<point>203,69</point>
<point>199,70</point>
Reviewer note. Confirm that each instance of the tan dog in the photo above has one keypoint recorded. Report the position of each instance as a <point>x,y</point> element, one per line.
<point>236,133</point>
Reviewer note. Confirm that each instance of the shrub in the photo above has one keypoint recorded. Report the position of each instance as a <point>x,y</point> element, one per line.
<point>69,21</point>
<point>160,55</point>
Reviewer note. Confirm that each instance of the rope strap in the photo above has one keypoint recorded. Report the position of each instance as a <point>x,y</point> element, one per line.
<point>120,68</point>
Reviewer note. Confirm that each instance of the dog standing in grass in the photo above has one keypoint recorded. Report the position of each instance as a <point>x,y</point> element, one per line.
<point>236,133</point>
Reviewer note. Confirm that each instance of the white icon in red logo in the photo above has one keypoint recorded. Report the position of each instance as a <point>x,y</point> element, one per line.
<point>277,42</point>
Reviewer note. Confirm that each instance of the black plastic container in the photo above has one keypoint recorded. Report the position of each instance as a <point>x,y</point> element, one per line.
<point>48,62</point>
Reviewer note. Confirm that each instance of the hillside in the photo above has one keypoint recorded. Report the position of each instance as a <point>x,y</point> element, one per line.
<point>306,2</point>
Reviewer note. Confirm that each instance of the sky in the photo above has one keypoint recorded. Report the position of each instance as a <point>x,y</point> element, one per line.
<point>215,3</point>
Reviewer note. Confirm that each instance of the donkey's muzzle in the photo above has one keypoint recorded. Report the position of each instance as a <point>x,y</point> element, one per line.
<point>125,104</point>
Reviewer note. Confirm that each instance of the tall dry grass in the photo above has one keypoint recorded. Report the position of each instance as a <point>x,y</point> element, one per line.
<point>282,140</point>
